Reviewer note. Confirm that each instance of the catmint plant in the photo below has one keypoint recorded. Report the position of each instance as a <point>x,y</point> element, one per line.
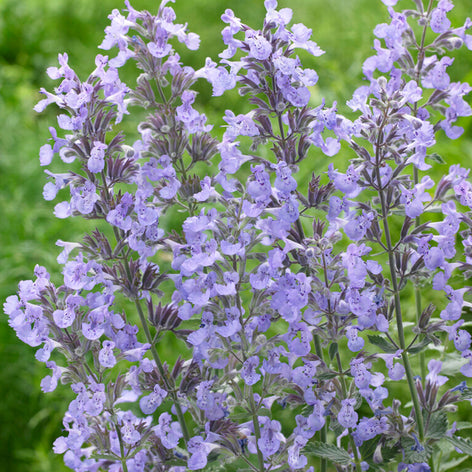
<point>291,301</point>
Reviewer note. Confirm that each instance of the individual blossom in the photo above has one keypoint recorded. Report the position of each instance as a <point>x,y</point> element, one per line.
<point>106,356</point>
<point>248,371</point>
<point>96,162</point>
<point>347,417</point>
<point>271,436</point>
<point>149,403</point>
<point>295,459</point>
<point>199,450</point>
<point>168,431</point>
<point>414,199</point>
<point>434,367</point>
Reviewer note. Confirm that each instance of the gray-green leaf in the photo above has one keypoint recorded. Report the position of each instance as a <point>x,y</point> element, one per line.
<point>437,425</point>
<point>328,451</point>
<point>464,444</point>
<point>382,343</point>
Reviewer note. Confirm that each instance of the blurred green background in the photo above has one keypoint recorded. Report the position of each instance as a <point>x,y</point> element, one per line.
<point>32,32</point>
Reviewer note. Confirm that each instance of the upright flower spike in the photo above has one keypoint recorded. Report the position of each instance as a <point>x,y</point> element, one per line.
<point>273,287</point>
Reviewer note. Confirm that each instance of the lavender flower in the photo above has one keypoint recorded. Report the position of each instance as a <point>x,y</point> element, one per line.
<point>271,288</point>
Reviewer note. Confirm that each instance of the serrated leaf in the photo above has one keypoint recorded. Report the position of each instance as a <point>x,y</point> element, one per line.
<point>367,451</point>
<point>419,346</point>
<point>413,454</point>
<point>382,343</point>
<point>368,448</point>
<point>435,157</point>
<point>464,444</point>
<point>413,457</point>
<point>326,375</point>
<point>328,451</point>
<point>437,426</point>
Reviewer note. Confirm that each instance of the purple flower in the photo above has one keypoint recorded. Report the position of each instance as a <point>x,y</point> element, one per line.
<point>240,125</point>
<point>416,467</point>
<point>168,431</point>
<point>116,32</point>
<point>138,462</point>
<point>361,374</point>
<point>259,188</point>
<point>294,459</point>
<point>390,3</point>
<point>434,367</point>
<point>466,369</point>
<point>368,428</point>
<point>304,376</point>
<point>63,318</point>
<point>413,199</point>
<point>395,370</point>
<point>219,77</point>
<point>150,402</point>
<point>461,337</point>
<point>233,21</point>
<point>75,274</point>
<point>83,198</point>
<point>259,47</point>
<point>297,96</point>
<point>439,22</point>
<point>248,371</point>
<point>355,343</point>
<point>45,155</point>
<point>301,39</point>
<point>437,77</point>
<point>96,162</point>
<point>356,228</point>
<point>271,436</point>
<point>346,183</point>
<point>284,182</point>
<point>49,383</point>
<point>258,277</point>
<point>199,450</point>
<point>209,401</point>
<point>94,406</point>
<point>128,428</point>
<point>291,295</point>
<point>347,417</point>
<point>106,356</point>
<point>356,267</point>
<point>434,258</point>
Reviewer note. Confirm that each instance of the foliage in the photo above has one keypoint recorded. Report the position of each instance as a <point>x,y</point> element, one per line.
<point>33,226</point>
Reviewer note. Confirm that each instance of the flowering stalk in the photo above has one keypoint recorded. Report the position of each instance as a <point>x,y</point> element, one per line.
<point>418,72</point>
<point>398,312</point>
<point>267,309</point>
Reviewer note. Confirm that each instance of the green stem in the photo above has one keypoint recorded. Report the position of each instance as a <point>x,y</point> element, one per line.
<point>249,463</point>
<point>324,429</point>
<point>351,439</point>
<point>397,303</point>
<point>421,54</point>
<point>122,449</point>
<point>170,387</point>
<point>252,405</point>
<point>168,381</point>
<point>257,430</point>
<point>418,314</point>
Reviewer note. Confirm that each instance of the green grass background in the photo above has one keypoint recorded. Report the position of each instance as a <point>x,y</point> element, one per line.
<point>32,32</point>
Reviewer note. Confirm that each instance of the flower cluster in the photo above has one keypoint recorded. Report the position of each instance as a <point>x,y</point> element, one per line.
<point>279,297</point>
